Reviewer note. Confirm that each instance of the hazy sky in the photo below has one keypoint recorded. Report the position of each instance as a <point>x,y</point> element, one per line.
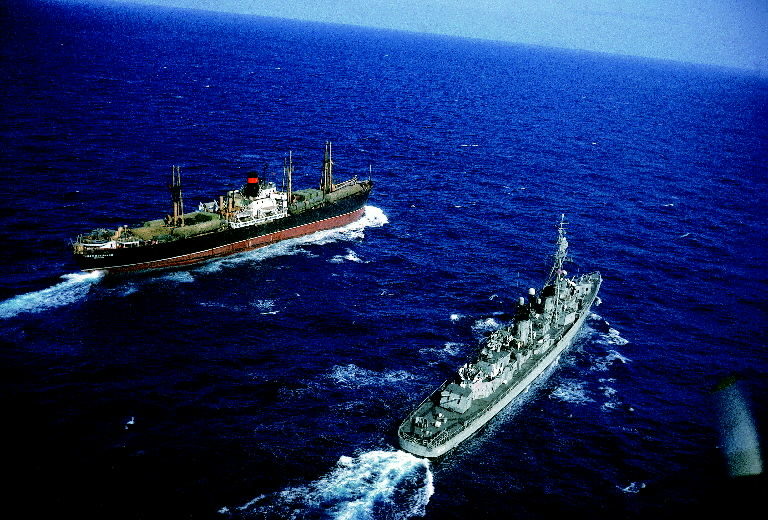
<point>719,32</point>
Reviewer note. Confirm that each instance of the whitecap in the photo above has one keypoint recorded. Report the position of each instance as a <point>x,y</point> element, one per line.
<point>451,348</point>
<point>604,363</point>
<point>612,401</point>
<point>351,256</point>
<point>178,277</point>
<point>571,392</point>
<point>634,487</point>
<point>128,290</point>
<point>353,376</point>
<point>75,287</point>
<point>616,338</point>
<point>612,337</point>
<point>485,325</point>
<point>265,306</point>
<point>376,484</point>
<point>456,317</point>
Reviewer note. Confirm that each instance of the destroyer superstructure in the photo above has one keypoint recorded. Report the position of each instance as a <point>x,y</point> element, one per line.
<point>507,362</point>
<point>256,215</point>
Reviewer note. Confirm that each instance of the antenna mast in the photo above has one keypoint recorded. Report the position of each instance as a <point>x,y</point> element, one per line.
<point>558,273</point>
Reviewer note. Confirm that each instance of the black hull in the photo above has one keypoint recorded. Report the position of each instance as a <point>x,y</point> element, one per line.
<point>185,251</point>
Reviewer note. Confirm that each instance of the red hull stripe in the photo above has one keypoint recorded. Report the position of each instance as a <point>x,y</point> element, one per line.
<point>253,180</point>
<point>243,245</point>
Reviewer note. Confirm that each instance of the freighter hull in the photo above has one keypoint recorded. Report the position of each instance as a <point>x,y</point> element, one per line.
<point>226,242</point>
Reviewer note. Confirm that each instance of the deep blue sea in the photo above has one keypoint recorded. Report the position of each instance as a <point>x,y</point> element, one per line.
<point>271,384</point>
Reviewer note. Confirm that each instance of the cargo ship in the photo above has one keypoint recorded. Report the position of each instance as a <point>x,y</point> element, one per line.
<point>257,215</point>
<point>506,363</point>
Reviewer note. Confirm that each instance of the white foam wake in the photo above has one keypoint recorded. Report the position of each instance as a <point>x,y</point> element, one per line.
<point>373,217</point>
<point>74,287</point>
<point>377,484</point>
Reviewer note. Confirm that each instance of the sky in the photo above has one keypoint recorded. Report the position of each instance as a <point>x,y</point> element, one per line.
<point>731,33</point>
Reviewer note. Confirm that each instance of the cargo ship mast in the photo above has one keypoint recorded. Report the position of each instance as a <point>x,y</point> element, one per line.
<point>177,217</point>
<point>326,182</point>
<point>288,172</point>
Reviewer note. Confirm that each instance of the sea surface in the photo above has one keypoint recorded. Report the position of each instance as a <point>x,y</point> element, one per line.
<point>270,384</point>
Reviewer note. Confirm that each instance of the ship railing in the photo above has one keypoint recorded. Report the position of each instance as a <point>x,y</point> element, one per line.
<point>256,221</point>
<point>346,183</point>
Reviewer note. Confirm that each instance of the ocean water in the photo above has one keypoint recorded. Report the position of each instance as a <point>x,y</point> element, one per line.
<point>271,384</point>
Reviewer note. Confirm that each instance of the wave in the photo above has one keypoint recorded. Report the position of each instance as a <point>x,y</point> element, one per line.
<point>177,277</point>
<point>611,394</point>
<point>372,217</point>
<point>351,256</point>
<point>602,364</point>
<point>485,325</point>
<point>74,288</point>
<point>353,376</point>
<point>571,392</point>
<point>265,306</point>
<point>614,338</point>
<point>450,349</point>
<point>376,484</point>
<point>634,487</point>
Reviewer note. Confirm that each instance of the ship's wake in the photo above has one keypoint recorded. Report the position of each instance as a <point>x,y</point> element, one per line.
<point>603,358</point>
<point>74,288</point>
<point>378,484</point>
<point>373,217</point>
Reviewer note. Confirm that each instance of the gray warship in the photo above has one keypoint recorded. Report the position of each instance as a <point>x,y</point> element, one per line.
<point>507,361</point>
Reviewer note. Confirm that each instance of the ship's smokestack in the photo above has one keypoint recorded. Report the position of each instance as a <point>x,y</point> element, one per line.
<point>253,185</point>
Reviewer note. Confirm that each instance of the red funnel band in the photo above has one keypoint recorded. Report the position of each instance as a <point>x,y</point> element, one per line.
<point>253,180</point>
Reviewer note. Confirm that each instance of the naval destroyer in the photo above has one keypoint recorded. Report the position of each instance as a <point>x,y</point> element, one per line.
<point>507,361</point>
<point>256,215</point>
